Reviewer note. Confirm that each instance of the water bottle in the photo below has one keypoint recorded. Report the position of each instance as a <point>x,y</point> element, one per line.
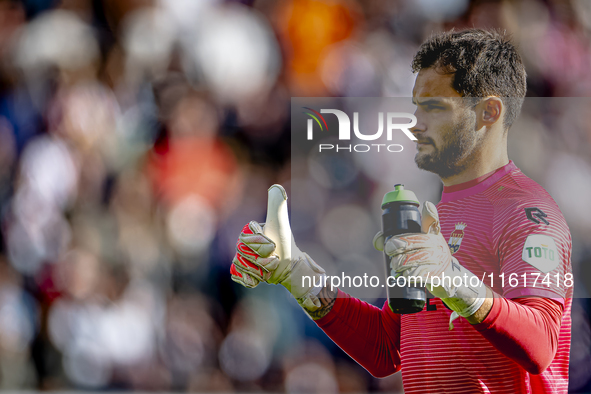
<point>401,215</point>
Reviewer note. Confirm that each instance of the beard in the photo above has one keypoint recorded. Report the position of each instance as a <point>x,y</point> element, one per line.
<point>450,158</point>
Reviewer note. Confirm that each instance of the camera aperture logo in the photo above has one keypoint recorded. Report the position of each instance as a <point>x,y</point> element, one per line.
<point>392,125</point>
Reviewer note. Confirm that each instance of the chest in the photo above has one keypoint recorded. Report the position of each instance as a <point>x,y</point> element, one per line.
<point>468,230</point>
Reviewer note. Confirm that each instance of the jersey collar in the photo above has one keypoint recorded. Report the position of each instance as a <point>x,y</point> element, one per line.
<point>475,186</point>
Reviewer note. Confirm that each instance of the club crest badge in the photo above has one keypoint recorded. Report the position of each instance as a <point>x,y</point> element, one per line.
<point>455,239</point>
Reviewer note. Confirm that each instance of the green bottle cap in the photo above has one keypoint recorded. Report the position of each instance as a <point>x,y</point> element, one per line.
<point>400,195</point>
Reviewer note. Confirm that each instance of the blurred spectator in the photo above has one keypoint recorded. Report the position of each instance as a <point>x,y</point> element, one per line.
<point>138,137</point>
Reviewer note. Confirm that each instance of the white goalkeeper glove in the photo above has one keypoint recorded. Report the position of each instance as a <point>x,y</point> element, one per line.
<point>426,256</point>
<point>268,253</point>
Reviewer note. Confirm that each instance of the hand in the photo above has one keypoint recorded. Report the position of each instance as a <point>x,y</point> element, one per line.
<point>268,253</point>
<point>420,255</point>
<point>426,257</point>
<point>254,259</point>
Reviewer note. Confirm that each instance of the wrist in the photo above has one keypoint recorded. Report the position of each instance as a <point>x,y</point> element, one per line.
<point>310,299</point>
<point>484,310</point>
<point>304,280</point>
<point>465,306</point>
<point>471,299</point>
<point>327,298</point>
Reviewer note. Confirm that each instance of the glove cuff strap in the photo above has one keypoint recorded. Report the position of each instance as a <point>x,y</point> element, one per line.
<point>466,299</point>
<point>462,308</point>
<point>315,290</point>
<point>310,301</point>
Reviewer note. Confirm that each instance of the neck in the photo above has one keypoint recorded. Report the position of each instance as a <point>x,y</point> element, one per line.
<point>482,162</point>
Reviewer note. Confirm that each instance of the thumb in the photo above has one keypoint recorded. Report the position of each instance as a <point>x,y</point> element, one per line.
<point>378,241</point>
<point>430,219</point>
<point>277,226</point>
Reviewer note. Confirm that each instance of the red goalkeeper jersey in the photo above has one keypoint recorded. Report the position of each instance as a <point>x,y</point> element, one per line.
<point>507,230</point>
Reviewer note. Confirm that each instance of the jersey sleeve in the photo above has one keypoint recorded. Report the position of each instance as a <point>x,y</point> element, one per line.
<point>368,334</point>
<point>534,248</point>
<point>516,328</point>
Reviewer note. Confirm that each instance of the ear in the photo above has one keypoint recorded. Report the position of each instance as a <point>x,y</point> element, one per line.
<point>491,111</point>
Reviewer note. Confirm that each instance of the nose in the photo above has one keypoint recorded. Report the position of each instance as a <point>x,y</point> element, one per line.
<point>420,127</point>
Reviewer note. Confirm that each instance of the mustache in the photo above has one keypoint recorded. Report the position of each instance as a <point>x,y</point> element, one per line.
<point>424,141</point>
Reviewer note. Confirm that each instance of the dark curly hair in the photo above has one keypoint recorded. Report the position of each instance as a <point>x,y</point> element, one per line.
<point>484,63</point>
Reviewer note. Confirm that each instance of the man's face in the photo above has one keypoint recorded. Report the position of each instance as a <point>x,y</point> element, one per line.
<point>445,128</point>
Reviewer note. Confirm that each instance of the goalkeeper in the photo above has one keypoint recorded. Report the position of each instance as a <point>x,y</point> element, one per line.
<point>491,338</point>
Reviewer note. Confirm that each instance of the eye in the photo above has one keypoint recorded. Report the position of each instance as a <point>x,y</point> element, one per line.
<point>434,107</point>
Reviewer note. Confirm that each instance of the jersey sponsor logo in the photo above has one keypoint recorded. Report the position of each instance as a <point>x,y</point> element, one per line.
<point>540,251</point>
<point>536,215</point>
<point>455,239</point>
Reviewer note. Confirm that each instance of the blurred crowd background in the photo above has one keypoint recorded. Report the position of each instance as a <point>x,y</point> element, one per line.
<point>137,137</point>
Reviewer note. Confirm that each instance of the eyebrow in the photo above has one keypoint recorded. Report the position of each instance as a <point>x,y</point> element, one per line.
<point>427,102</point>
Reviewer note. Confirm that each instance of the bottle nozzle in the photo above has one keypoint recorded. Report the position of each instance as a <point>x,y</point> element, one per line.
<point>400,195</point>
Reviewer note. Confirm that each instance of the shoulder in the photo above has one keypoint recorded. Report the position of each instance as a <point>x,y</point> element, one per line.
<point>517,198</point>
